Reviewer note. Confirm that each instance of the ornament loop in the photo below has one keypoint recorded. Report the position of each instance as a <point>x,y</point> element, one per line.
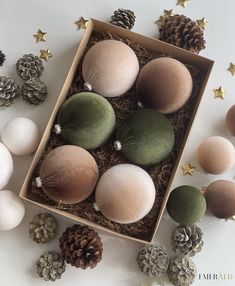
<point>87,86</point>
<point>38,182</point>
<point>117,145</point>
<point>57,129</point>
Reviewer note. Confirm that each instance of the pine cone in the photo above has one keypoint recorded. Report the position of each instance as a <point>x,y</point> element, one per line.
<point>29,66</point>
<point>9,91</point>
<point>2,58</point>
<point>81,246</point>
<point>123,18</point>
<point>50,266</point>
<point>34,91</point>
<point>43,228</point>
<point>153,260</point>
<point>187,240</point>
<point>182,32</point>
<point>182,271</point>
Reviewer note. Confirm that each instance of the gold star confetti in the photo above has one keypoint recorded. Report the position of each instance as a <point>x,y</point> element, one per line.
<point>40,36</point>
<point>231,69</point>
<point>219,93</point>
<point>182,3</point>
<point>82,23</point>
<point>202,23</point>
<point>46,54</point>
<point>168,12</point>
<point>159,21</point>
<point>188,169</point>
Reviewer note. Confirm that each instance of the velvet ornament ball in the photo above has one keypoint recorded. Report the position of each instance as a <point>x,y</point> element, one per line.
<point>125,193</point>
<point>6,166</point>
<point>230,120</point>
<point>68,174</point>
<point>145,137</point>
<point>220,198</point>
<point>110,68</point>
<point>21,136</point>
<point>186,205</point>
<point>11,210</point>
<point>216,155</point>
<point>164,84</point>
<point>86,120</point>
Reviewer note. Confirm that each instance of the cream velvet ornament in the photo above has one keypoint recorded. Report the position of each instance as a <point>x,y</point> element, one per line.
<point>6,166</point>
<point>110,68</point>
<point>11,210</point>
<point>125,193</point>
<point>21,136</point>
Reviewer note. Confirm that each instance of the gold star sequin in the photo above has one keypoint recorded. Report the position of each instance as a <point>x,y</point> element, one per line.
<point>231,69</point>
<point>46,54</point>
<point>168,12</point>
<point>82,23</point>
<point>40,36</point>
<point>159,21</point>
<point>182,3</point>
<point>219,93</point>
<point>188,169</point>
<point>202,23</point>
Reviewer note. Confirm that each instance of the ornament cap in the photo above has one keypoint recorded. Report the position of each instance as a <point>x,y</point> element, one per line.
<point>96,207</point>
<point>117,145</point>
<point>87,86</point>
<point>38,182</point>
<point>57,129</point>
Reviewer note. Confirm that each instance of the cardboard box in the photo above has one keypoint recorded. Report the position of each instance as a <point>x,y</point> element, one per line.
<point>203,64</point>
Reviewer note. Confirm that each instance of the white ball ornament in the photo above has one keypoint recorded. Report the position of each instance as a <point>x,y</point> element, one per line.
<point>21,136</point>
<point>125,193</point>
<point>6,166</point>
<point>11,210</point>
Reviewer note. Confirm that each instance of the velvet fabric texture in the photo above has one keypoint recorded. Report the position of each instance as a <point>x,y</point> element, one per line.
<point>125,193</point>
<point>110,67</point>
<point>146,137</point>
<point>186,205</point>
<point>86,120</point>
<point>164,84</point>
<point>6,166</point>
<point>68,174</point>
<point>220,198</point>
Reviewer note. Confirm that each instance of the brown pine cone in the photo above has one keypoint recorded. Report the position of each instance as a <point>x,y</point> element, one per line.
<point>123,18</point>
<point>81,246</point>
<point>2,58</point>
<point>182,32</point>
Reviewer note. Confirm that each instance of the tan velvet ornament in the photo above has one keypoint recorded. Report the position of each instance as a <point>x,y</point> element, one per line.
<point>110,68</point>
<point>216,155</point>
<point>164,84</point>
<point>230,120</point>
<point>220,198</point>
<point>68,174</point>
<point>125,193</point>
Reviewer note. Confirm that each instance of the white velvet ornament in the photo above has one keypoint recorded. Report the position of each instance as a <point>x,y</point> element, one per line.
<point>21,136</point>
<point>125,193</point>
<point>6,166</point>
<point>11,210</point>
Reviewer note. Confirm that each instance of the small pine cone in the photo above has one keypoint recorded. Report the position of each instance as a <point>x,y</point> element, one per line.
<point>182,271</point>
<point>2,58</point>
<point>50,266</point>
<point>43,228</point>
<point>29,66</point>
<point>182,32</point>
<point>81,246</point>
<point>34,91</point>
<point>123,18</point>
<point>187,240</point>
<point>153,260</point>
<point>9,91</point>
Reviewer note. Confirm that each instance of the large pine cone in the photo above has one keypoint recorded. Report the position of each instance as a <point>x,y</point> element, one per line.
<point>123,18</point>
<point>29,66</point>
<point>182,32</point>
<point>2,58</point>
<point>81,246</point>
<point>187,240</point>
<point>9,91</point>
<point>34,91</point>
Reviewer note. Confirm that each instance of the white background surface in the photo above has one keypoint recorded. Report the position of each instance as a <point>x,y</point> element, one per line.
<point>19,20</point>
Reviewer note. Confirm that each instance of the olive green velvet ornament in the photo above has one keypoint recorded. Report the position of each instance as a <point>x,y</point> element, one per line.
<point>86,119</point>
<point>145,137</point>
<point>186,205</point>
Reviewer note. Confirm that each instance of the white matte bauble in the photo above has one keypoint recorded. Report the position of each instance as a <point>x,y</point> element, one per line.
<point>125,193</point>
<point>6,166</point>
<point>21,136</point>
<point>11,210</point>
